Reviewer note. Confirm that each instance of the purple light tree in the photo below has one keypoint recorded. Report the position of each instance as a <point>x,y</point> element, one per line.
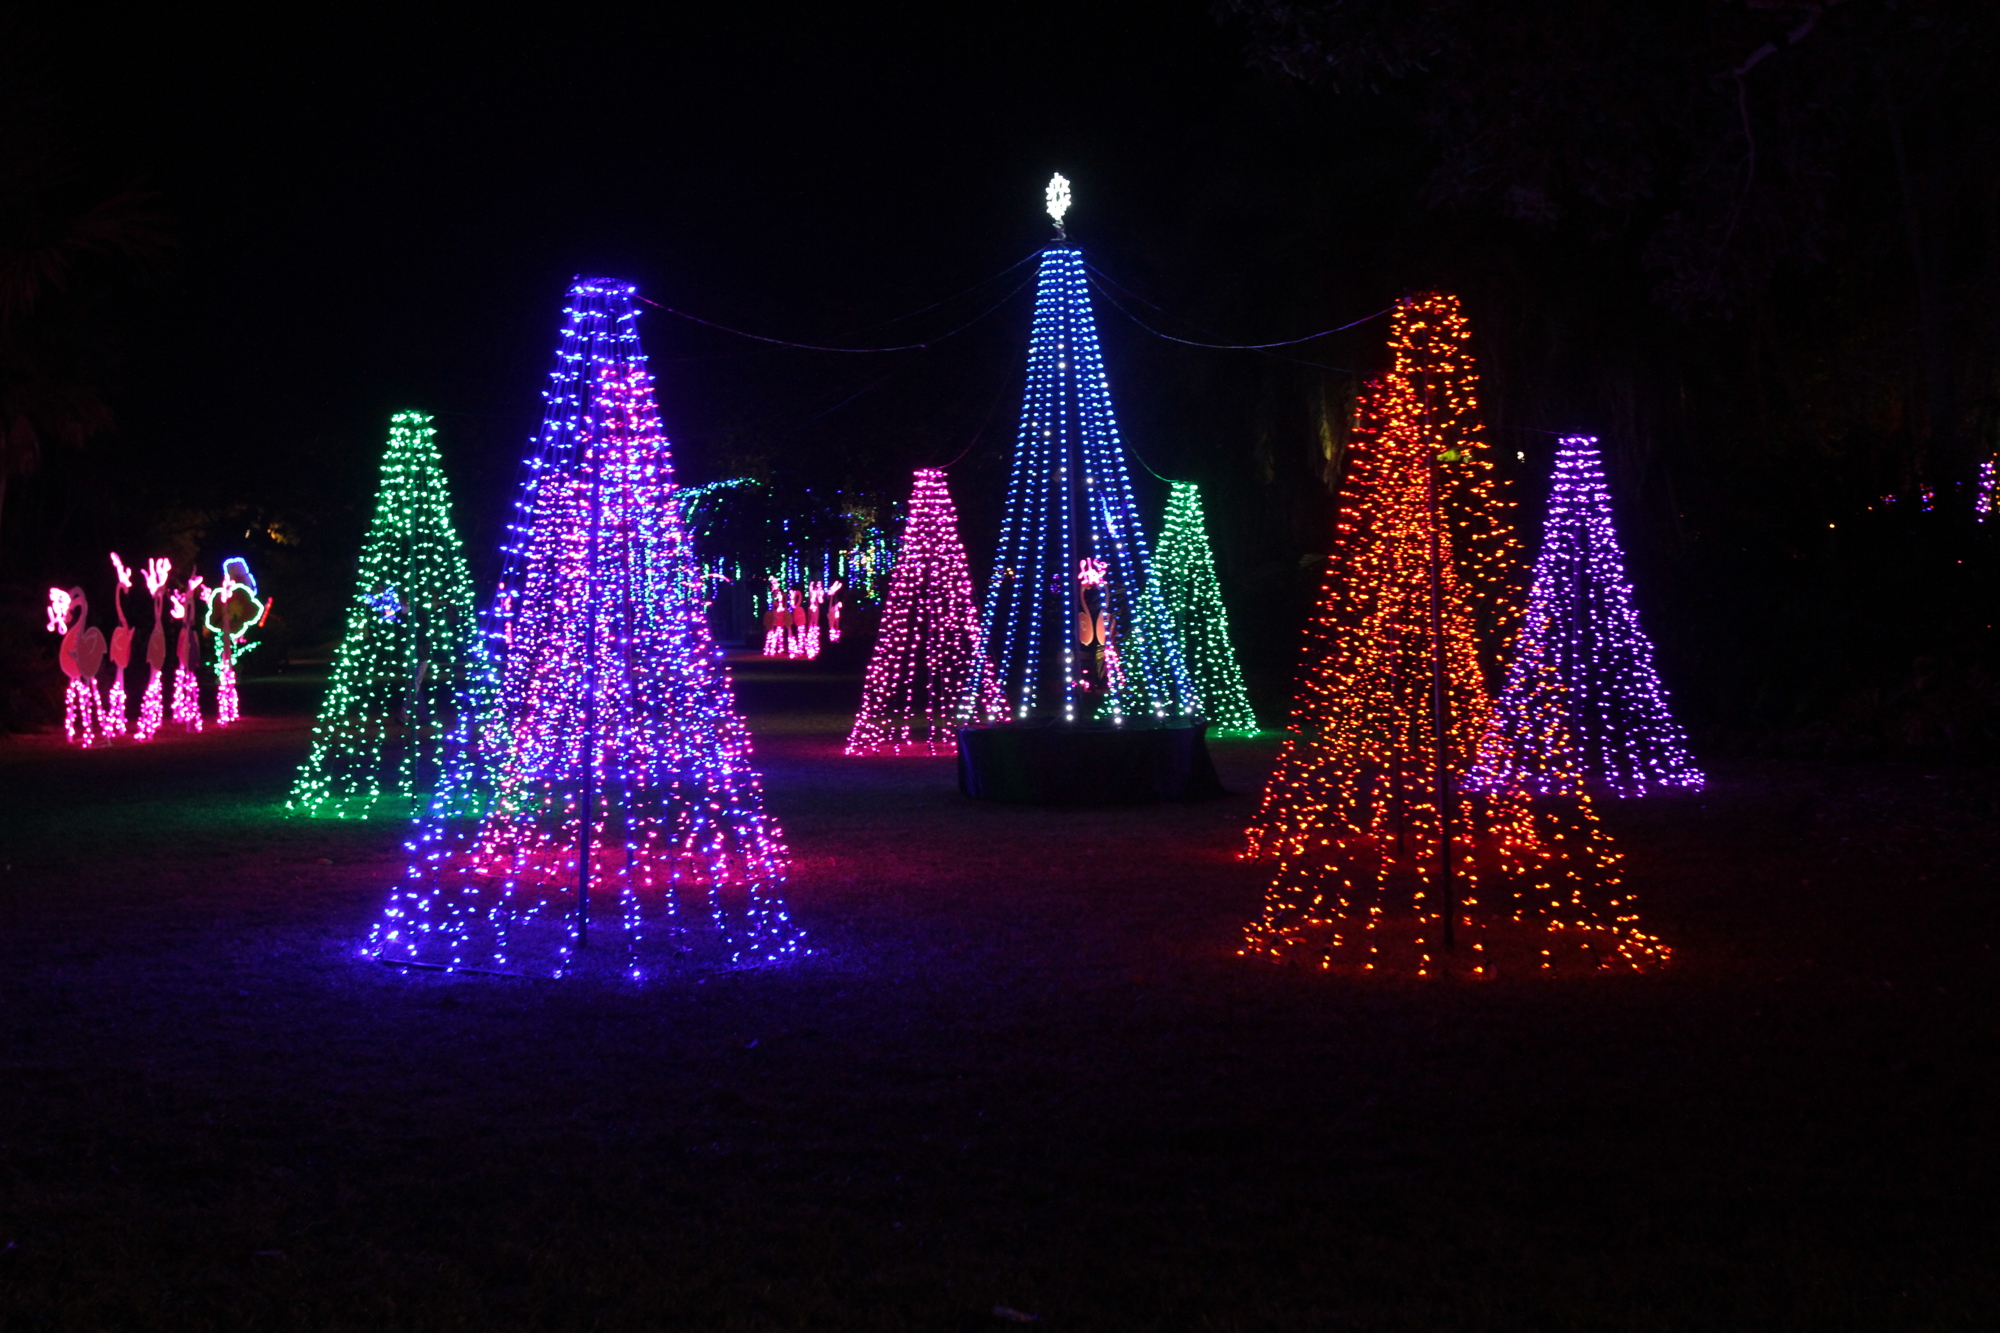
<point>625,815</point>
<point>1582,705</point>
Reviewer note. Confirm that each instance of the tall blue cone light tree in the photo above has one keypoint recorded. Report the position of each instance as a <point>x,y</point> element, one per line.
<point>1075,624</point>
<point>626,822</point>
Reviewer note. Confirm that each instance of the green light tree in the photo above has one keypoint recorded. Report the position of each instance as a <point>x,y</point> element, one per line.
<point>1184,569</point>
<point>411,681</point>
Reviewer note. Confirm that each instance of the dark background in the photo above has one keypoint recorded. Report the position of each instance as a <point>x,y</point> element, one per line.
<point>1775,296</point>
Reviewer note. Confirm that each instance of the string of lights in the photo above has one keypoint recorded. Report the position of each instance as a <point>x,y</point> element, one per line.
<point>1184,566</point>
<point>411,664</point>
<point>1072,618</point>
<point>929,673</point>
<point>1379,863</point>
<point>1582,702</point>
<point>625,800</point>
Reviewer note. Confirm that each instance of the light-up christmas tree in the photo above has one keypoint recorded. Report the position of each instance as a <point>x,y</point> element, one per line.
<point>410,678</point>
<point>1184,566</point>
<point>929,673</point>
<point>1073,619</point>
<point>1382,863</point>
<point>1582,702</point>
<point>626,821</point>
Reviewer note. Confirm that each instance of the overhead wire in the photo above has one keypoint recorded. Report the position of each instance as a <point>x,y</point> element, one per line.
<point>898,319</point>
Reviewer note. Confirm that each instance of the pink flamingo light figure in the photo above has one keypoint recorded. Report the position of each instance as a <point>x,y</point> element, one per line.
<point>815,598</point>
<point>81,654</point>
<point>115,716</point>
<point>187,686</point>
<point>833,612</point>
<point>234,609</point>
<point>150,703</point>
<point>775,616</point>
<point>795,640</point>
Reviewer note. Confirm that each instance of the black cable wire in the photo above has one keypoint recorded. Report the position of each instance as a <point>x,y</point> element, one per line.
<point>1107,279</point>
<point>905,347</point>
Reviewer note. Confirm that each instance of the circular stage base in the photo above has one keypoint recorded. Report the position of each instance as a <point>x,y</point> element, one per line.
<point>1086,763</point>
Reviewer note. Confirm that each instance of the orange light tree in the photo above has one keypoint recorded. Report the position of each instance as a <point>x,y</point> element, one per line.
<point>1380,863</point>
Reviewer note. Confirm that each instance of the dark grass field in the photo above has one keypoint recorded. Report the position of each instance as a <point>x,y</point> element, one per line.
<point>1023,1069</point>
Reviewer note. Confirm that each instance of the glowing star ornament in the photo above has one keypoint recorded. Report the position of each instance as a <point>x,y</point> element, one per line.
<point>116,718</point>
<point>1057,199</point>
<point>1070,500</point>
<point>152,702</point>
<point>411,684</point>
<point>1380,862</point>
<point>929,674</point>
<point>1184,566</point>
<point>234,609</point>
<point>81,655</point>
<point>626,828</point>
<point>187,648</point>
<point>1582,703</point>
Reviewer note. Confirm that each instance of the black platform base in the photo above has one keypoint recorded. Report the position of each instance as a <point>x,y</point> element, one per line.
<point>1089,763</point>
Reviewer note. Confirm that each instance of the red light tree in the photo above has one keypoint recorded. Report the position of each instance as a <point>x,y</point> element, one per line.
<point>930,664</point>
<point>1380,862</point>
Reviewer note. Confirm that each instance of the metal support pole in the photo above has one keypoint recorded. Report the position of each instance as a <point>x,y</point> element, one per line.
<point>1447,884</point>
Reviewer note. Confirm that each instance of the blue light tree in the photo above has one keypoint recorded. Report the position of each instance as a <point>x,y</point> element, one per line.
<point>1582,704</point>
<point>625,803</point>
<point>1074,621</point>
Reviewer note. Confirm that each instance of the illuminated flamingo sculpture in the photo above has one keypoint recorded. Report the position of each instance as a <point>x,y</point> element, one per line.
<point>234,609</point>
<point>81,654</point>
<point>115,723</point>
<point>151,709</point>
<point>815,596</point>
<point>775,616</point>
<point>833,612</point>
<point>187,686</point>
<point>795,618</point>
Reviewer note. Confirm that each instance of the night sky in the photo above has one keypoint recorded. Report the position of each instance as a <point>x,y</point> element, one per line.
<point>370,218</point>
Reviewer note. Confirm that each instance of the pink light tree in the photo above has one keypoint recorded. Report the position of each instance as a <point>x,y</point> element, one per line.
<point>929,673</point>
